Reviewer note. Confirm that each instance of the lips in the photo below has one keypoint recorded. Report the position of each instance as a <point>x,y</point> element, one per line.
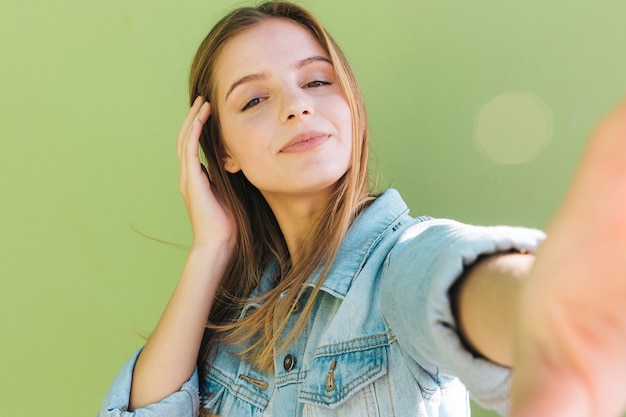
<point>305,141</point>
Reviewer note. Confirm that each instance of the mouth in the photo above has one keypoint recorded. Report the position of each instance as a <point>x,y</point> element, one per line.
<point>304,142</point>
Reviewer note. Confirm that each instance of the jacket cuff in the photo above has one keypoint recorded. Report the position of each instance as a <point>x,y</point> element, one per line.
<point>182,403</point>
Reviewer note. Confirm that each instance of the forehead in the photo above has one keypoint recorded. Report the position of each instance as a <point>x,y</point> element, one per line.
<point>274,44</point>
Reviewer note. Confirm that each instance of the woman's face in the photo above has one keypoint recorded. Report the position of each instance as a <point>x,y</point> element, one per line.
<point>284,118</point>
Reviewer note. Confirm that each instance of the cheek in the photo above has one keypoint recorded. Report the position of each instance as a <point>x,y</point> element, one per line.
<point>344,116</point>
<point>231,136</point>
<point>348,133</point>
<point>344,119</point>
<point>244,140</point>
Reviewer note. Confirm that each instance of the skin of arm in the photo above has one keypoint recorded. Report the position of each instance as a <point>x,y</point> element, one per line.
<point>485,302</point>
<point>170,355</point>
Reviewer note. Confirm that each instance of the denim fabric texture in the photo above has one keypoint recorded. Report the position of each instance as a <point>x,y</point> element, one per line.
<point>381,340</point>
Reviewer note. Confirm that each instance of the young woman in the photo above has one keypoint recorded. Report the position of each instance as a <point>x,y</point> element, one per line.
<point>323,298</point>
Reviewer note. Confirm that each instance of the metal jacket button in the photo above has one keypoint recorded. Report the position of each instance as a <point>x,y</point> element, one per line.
<point>289,363</point>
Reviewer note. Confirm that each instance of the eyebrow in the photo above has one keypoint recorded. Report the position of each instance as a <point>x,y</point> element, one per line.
<point>263,75</point>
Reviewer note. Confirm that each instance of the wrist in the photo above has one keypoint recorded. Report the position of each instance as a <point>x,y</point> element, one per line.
<point>215,251</point>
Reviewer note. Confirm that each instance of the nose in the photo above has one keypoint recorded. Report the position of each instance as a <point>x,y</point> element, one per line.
<point>303,112</point>
<point>297,105</point>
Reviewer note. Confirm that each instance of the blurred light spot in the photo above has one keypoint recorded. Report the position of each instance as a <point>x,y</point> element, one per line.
<point>513,128</point>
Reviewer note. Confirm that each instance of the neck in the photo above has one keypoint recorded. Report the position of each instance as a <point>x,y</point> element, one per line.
<point>295,216</point>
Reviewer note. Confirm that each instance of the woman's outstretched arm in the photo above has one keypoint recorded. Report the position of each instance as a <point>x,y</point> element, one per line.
<point>170,355</point>
<point>560,318</point>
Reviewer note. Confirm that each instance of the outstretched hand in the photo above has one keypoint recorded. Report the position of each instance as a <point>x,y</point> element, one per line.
<point>210,219</point>
<point>571,342</point>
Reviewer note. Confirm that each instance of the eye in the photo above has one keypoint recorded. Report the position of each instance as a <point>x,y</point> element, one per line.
<point>317,83</point>
<point>252,103</point>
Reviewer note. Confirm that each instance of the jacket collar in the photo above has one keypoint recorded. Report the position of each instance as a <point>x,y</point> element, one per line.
<point>365,233</point>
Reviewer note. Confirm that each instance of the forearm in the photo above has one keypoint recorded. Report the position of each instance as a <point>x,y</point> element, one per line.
<point>486,301</point>
<point>170,355</point>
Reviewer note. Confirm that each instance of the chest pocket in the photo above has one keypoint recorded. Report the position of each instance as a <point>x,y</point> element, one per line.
<point>346,372</point>
<point>234,389</point>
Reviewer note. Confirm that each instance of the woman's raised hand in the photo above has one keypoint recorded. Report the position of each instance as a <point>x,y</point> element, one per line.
<point>210,220</point>
<point>571,359</point>
<point>169,357</point>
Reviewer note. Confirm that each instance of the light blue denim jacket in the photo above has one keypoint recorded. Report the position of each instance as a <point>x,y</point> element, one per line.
<point>381,340</point>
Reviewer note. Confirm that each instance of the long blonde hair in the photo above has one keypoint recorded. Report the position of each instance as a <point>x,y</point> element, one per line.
<point>259,238</point>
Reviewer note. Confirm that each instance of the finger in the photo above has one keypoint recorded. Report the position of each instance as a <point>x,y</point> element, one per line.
<point>193,110</point>
<point>190,168</point>
<point>191,142</point>
<point>187,122</point>
<point>602,173</point>
<point>206,172</point>
<point>183,138</point>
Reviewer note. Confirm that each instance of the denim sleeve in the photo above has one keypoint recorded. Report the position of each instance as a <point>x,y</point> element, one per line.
<point>183,403</point>
<point>427,260</point>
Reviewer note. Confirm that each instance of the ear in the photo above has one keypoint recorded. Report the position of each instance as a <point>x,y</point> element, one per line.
<point>228,162</point>
<point>230,165</point>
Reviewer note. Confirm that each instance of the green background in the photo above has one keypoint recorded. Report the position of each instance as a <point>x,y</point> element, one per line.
<point>92,97</point>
